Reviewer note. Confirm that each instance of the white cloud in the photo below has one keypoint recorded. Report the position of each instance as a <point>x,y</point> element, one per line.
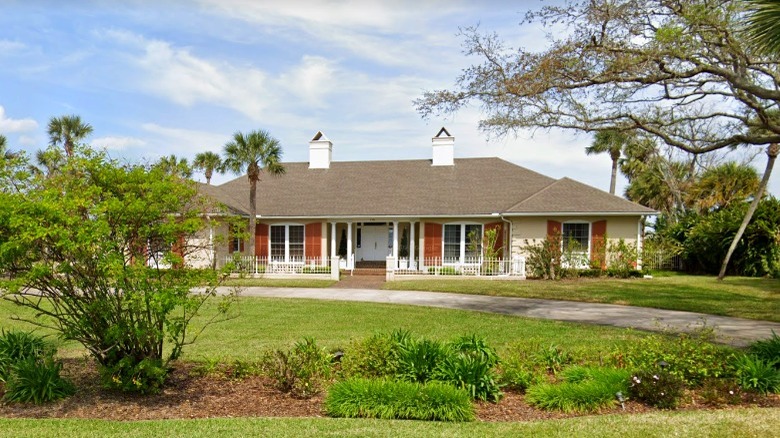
<point>15,125</point>
<point>184,142</point>
<point>311,80</point>
<point>7,46</point>
<point>117,143</point>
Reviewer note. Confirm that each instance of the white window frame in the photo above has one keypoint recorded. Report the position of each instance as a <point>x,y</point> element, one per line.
<point>586,253</point>
<point>286,241</point>
<point>463,241</point>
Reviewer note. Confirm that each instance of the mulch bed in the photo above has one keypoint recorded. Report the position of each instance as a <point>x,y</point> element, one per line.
<point>189,395</point>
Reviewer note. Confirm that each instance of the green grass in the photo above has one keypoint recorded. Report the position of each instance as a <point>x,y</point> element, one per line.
<point>721,423</point>
<point>743,297</point>
<point>264,323</point>
<point>268,282</point>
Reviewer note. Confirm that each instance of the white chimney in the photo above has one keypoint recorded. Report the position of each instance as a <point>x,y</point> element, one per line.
<point>443,149</point>
<point>320,150</point>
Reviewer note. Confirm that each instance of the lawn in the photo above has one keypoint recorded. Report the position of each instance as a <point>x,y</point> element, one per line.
<point>743,297</point>
<point>731,423</point>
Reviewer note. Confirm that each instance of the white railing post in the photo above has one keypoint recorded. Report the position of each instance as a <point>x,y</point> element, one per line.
<point>390,265</point>
<point>334,268</point>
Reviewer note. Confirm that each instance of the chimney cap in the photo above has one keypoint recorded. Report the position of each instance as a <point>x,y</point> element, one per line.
<point>319,136</point>
<point>444,130</point>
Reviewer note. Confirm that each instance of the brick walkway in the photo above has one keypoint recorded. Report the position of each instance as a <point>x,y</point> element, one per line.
<point>360,282</point>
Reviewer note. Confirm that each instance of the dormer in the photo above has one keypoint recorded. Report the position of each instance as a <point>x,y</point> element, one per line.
<point>320,151</point>
<point>443,149</point>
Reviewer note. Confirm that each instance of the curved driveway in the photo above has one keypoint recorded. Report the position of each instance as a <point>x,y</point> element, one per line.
<point>734,331</point>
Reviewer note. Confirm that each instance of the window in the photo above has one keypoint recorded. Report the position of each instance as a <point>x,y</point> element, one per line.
<point>286,242</point>
<point>576,237</point>
<point>462,242</point>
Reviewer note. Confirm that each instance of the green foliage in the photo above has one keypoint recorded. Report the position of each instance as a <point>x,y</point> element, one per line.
<point>473,345</point>
<point>96,250</point>
<point>719,392</point>
<point>757,374</point>
<point>418,359</point>
<point>146,376</point>
<point>386,399</point>
<point>582,390</point>
<point>658,388</point>
<point>372,357</point>
<point>767,350</point>
<point>302,371</point>
<point>544,260</point>
<point>16,346</point>
<point>515,374</point>
<point>689,357</point>
<point>471,371</point>
<point>553,358</point>
<point>37,380</point>
<point>443,270</point>
<point>241,369</point>
<point>622,261</point>
<point>705,238</point>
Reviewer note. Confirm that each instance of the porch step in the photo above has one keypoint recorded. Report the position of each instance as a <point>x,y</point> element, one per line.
<point>359,281</point>
<point>365,271</point>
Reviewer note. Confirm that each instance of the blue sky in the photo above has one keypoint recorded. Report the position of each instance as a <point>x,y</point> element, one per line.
<point>175,77</point>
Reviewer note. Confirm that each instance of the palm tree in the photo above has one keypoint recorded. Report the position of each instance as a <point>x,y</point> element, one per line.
<point>49,162</point>
<point>208,162</point>
<point>4,153</point>
<point>175,166</point>
<point>611,141</point>
<point>67,131</point>
<point>255,152</point>
<point>763,31</point>
<point>723,185</point>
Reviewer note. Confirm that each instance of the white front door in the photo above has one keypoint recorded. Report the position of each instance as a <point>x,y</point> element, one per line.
<point>374,240</point>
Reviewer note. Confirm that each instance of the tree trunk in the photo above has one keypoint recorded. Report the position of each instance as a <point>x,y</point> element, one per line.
<point>250,247</point>
<point>613,179</point>
<point>771,152</point>
<point>209,173</point>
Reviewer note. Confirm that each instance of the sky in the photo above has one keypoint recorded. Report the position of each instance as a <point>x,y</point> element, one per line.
<point>156,78</point>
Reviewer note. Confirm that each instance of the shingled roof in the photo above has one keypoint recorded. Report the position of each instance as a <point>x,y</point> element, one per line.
<point>473,186</point>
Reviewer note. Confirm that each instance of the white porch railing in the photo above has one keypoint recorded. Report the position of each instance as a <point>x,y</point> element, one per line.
<point>475,267</point>
<point>263,265</point>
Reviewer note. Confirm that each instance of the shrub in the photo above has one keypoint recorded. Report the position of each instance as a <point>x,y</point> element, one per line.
<point>443,270</point>
<point>553,358</point>
<point>385,399</point>
<point>758,375</point>
<point>241,369</point>
<point>418,359</point>
<point>688,356</point>
<point>582,390</point>
<point>473,373</point>
<point>36,380</point>
<point>17,346</point>
<point>475,346</point>
<point>660,388</point>
<point>373,357</point>
<point>145,377</point>
<point>515,375</point>
<point>767,349</point>
<point>301,371</point>
<point>718,392</point>
<point>622,259</point>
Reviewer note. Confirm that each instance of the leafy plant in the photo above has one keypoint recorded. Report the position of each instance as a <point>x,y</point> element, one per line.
<point>242,368</point>
<point>544,259</point>
<point>767,349</point>
<point>622,261</point>
<point>514,374</point>
<point>472,372</point>
<point>145,377</point>
<point>418,359</point>
<point>16,346</point>
<point>718,392</point>
<point>582,390</point>
<point>37,380</point>
<point>553,358</point>
<point>373,357</point>
<point>758,375</point>
<point>659,388</point>
<point>301,370</point>
<point>387,399</point>
<point>475,346</point>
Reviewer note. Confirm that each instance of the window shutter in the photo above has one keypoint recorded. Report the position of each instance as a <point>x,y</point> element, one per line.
<point>432,240</point>
<point>499,244</point>
<point>261,240</point>
<point>554,228</point>
<point>313,239</point>
<point>598,243</point>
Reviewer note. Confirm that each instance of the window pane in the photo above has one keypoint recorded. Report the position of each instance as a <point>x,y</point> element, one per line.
<point>576,237</point>
<point>296,242</point>
<point>473,241</point>
<point>277,242</point>
<point>452,242</point>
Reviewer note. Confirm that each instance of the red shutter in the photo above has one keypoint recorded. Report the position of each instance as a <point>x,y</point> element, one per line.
<point>554,228</point>
<point>178,249</point>
<point>499,244</point>
<point>432,240</point>
<point>598,244</point>
<point>313,238</point>
<point>261,240</point>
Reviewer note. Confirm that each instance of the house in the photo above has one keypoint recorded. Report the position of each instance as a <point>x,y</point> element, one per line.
<point>419,213</point>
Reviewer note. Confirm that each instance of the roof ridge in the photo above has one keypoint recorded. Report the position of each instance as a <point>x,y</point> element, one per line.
<point>540,191</point>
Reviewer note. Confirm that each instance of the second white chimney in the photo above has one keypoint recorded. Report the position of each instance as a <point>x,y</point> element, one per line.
<point>320,151</point>
<point>443,149</point>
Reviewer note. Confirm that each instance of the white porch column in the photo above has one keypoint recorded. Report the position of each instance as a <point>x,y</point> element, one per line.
<point>395,241</point>
<point>349,246</point>
<point>421,256</point>
<point>412,265</point>
<point>332,240</point>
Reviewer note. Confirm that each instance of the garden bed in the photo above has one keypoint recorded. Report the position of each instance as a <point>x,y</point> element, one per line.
<point>190,395</point>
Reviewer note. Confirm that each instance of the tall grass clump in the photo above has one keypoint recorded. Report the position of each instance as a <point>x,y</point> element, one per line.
<point>387,399</point>
<point>582,390</point>
<point>767,350</point>
<point>16,346</point>
<point>29,370</point>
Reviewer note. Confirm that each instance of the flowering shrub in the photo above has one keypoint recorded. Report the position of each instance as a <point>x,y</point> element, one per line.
<point>657,388</point>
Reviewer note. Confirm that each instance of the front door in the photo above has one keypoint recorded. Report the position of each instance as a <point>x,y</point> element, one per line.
<point>374,241</point>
